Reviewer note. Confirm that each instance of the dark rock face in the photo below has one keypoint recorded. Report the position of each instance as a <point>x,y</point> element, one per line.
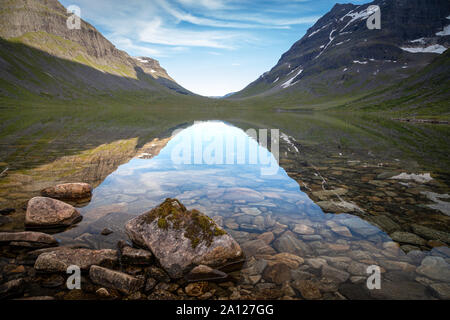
<point>181,239</point>
<point>49,213</point>
<point>340,40</point>
<point>68,191</point>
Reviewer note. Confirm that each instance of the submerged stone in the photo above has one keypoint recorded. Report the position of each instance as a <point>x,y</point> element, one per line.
<point>181,239</point>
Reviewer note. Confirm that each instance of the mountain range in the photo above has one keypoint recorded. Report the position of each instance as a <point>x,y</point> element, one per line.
<point>339,55</point>
<point>40,54</point>
<point>339,59</point>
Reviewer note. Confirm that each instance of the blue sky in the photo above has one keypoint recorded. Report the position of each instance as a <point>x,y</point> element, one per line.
<point>211,47</point>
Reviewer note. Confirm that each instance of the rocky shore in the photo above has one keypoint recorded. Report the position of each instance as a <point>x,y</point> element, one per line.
<point>175,253</point>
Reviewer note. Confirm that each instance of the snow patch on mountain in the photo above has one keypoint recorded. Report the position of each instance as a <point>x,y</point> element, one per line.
<point>436,48</point>
<point>355,16</point>
<point>445,31</point>
<point>289,82</point>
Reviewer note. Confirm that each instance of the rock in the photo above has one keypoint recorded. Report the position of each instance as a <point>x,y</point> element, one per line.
<point>4,220</point>
<point>7,211</point>
<point>357,269</point>
<point>278,273</point>
<point>205,273</point>
<point>150,284</point>
<point>442,290</point>
<point>316,263</point>
<point>400,290</point>
<point>68,191</point>
<point>236,194</point>
<point>28,239</point>
<point>385,223</point>
<point>115,280</point>
<point>158,273</point>
<point>267,237</point>
<point>12,288</point>
<point>180,239</point>
<point>60,260</point>
<point>303,229</point>
<point>47,213</point>
<point>431,234</point>
<point>106,232</point>
<point>359,226</point>
<point>308,289</point>
<point>257,247</point>
<point>289,259</point>
<point>255,267</point>
<point>129,255</point>
<point>435,268</point>
<point>338,206</point>
<point>288,242</point>
<point>53,281</point>
<point>334,274</point>
<point>254,279</point>
<point>196,289</point>
<point>406,237</point>
<point>102,293</point>
<point>342,231</point>
<point>326,194</point>
<point>231,225</point>
<point>251,211</point>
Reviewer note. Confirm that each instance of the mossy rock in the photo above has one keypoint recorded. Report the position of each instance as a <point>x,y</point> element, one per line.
<point>181,239</point>
<point>198,227</point>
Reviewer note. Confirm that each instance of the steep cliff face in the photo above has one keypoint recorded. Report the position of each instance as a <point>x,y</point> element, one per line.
<point>42,25</point>
<point>340,54</point>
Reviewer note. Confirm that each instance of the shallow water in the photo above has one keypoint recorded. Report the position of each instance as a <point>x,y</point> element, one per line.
<point>324,161</point>
<point>248,203</point>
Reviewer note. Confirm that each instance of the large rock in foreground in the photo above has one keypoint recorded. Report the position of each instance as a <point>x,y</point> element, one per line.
<point>60,260</point>
<point>45,212</point>
<point>181,239</point>
<point>68,191</point>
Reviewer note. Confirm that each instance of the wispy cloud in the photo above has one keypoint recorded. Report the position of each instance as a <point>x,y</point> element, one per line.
<point>155,32</point>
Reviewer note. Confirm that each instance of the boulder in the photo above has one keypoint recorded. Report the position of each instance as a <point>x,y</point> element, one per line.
<point>308,289</point>
<point>205,273</point>
<point>115,280</point>
<point>257,247</point>
<point>435,268</point>
<point>68,191</point>
<point>60,260</point>
<point>288,242</point>
<point>406,237</point>
<point>181,239</point>
<point>28,239</point>
<point>431,234</point>
<point>135,256</point>
<point>47,213</point>
<point>12,288</point>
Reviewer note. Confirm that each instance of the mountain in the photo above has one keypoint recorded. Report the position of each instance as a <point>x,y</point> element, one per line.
<point>339,55</point>
<point>39,53</point>
<point>426,92</point>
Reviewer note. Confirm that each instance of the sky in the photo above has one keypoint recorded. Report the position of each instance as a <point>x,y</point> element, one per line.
<point>210,47</point>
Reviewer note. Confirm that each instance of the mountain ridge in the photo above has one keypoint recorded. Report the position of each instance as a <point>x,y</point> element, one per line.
<point>42,25</point>
<point>340,55</point>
